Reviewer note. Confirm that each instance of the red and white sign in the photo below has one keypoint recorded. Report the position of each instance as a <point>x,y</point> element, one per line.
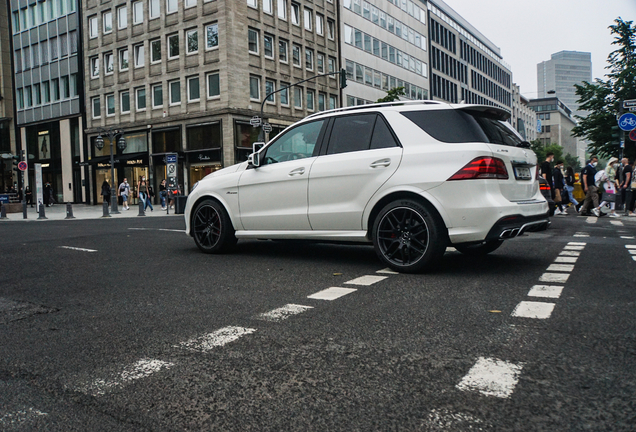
<point>632,135</point>
<point>22,166</point>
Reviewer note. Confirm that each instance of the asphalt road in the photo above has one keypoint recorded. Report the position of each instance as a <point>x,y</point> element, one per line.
<point>136,330</point>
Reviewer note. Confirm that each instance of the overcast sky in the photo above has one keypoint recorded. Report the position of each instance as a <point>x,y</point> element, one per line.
<point>529,31</point>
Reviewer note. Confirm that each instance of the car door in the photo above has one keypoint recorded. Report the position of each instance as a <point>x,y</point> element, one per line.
<point>361,155</point>
<point>273,196</point>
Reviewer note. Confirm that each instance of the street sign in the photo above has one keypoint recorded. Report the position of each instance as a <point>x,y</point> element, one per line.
<point>632,108</point>
<point>255,121</point>
<point>171,170</point>
<point>632,135</point>
<point>267,128</point>
<point>627,121</point>
<point>629,103</point>
<point>22,166</point>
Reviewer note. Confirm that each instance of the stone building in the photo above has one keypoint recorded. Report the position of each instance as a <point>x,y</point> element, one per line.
<point>523,119</point>
<point>187,77</point>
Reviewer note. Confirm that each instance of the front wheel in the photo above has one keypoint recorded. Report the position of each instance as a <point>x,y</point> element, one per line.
<point>480,249</point>
<point>408,236</point>
<point>212,228</point>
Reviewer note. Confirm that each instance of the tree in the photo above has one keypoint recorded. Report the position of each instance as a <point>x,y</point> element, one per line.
<point>603,99</point>
<point>393,95</point>
<point>541,150</point>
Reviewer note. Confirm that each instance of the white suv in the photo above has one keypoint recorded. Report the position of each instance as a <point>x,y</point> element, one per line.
<point>411,178</point>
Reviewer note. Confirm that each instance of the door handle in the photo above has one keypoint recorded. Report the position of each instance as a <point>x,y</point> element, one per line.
<point>381,163</point>
<point>297,171</point>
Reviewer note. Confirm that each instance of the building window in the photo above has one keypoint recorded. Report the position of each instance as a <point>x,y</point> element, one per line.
<point>157,96</point>
<point>320,24</point>
<point>310,100</point>
<point>171,6</point>
<point>122,17</point>
<point>284,94</point>
<point>140,95</point>
<point>252,3</point>
<point>190,3</point>
<point>193,89</point>
<point>192,42</point>
<point>252,38</point>
<point>92,25</point>
<point>108,64</point>
<point>320,63</point>
<point>282,9</point>
<point>110,105</point>
<point>139,55</point>
<point>20,95</point>
<point>270,87</point>
<point>37,94</point>
<point>214,90</point>
<point>155,51</point>
<point>154,9</point>
<point>55,83</point>
<point>295,14</point>
<point>282,51</point>
<point>173,46</point>
<point>46,92</point>
<point>175,92</point>
<point>298,97</point>
<point>296,55</point>
<point>123,59</point>
<point>108,22</point>
<point>94,61</point>
<point>97,110</point>
<point>138,12</point>
<point>212,36</point>
<point>124,102</point>
<point>321,101</point>
<point>268,46</point>
<point>255,88</point>
<point>333,102</point>
<point>63,46</point>
<point>309,59</point>
<point>308,18</point>
<point>267,6</point>
<point>73,40</point>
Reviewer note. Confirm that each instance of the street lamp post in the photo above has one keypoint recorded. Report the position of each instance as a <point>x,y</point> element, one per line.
<point>121,144</point>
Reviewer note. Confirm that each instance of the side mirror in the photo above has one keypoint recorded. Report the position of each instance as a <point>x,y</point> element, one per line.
<point>255,157</point>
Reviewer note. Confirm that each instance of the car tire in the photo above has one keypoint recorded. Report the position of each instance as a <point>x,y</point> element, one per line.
<point>479,249</point>
<point>408,236</point>
<point>212,228</point>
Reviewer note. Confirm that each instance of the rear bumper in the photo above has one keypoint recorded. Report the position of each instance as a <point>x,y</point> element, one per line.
<point>515,225</point>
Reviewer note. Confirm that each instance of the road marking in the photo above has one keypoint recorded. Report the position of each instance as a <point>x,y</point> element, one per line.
<point>592,219</point>
<point>157,229</point>
<point>387,271</point>
<point>77,249</point>
<point>577,243</point>
<point>617,223</point>
<point>331,293</point>
<point>574,248</point>
<point>216,339</point>
<point>282,313</point>
<point>547,291</point>
<point>366,280</point>
<point>632,251</point>
<point>538,310</point>
<point>141,369</point>
<point>561,267</point>
<point>564,259</point>
<point>451,249</point>
<point>634,258</point>
<point>491,377</point>
<point>18,417</point>
<point>570,253</point>
<point>630,246</point>
<point>581,234</point>
<point>628,237</point>
<point>554,277</point>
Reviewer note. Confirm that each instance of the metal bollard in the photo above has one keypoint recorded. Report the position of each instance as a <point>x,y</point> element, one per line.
<point>3,211</point>
<point>69,211</point>
<point>105,209</point>
<point>42,214</point>
<point>24,209</point>
<point>141,208</point>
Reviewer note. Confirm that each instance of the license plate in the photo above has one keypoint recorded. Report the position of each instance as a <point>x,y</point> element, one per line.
<point>523,173</point>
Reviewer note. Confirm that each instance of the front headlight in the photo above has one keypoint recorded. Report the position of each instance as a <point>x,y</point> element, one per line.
<point>194,187</point>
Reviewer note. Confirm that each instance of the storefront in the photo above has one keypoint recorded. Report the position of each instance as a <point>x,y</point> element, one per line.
<point>204,153</point>
<point>43,147</point>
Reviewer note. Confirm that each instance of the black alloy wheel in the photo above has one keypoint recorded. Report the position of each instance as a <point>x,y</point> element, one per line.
<point>212,229</point>
<point>479,249</point>
<point>408,237</point>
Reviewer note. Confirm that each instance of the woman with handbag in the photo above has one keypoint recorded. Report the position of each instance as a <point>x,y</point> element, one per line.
<point>608,182</point>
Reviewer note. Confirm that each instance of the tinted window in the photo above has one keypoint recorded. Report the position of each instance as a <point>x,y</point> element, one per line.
<point>297,143</point>
<point>382,136</point>
<point>351,133</point>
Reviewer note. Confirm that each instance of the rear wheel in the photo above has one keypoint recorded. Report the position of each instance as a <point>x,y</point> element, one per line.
<point>408,236</point>
<point>212,228</point>
<point>480,249</point>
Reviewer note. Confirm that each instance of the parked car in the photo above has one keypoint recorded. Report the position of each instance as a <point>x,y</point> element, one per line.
<point>411,178</point>
<point>546,191</point>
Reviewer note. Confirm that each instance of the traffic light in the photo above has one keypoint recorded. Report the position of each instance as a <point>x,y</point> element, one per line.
<point>14,161</point>
<point>343,78</point>
<point>616,134</point>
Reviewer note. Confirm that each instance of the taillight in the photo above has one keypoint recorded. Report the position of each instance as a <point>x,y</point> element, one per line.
<point>544,186</point>
<point>482,168</point>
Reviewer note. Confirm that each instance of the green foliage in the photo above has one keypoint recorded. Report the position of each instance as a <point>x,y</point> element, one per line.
<point>393,95</point>
<point>567,158</point>
<point>603,99</point>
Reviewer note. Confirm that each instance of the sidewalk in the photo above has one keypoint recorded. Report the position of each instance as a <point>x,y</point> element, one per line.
<point>83,211</point>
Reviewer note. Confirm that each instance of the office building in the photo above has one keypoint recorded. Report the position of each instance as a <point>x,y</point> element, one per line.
<point>523,119</point>
<point>187,77</point>
<point>7,130</point>
<point>558,76</point>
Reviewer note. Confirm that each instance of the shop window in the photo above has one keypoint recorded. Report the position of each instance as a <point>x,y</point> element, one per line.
<point>202,137</point>
<point>166,140</point>
<point>136,142</point>
<point>244,136</point>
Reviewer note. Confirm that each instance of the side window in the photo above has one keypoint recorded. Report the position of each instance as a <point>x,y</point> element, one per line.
<point>382,137</point>
<point>351,133</point>
<point>297,143</point>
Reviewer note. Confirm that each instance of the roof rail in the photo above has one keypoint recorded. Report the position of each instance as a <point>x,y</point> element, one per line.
<point>375,105</point>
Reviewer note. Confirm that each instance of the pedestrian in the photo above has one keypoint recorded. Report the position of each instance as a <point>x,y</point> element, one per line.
<point>162,194</point>
<point>625,186</point>
<point>106,192</point>
<point>607,181</point>
<point>589,187</point>
<point>124,191</point>
<point>546,172</point>
<point>29,196</point>
<point>151,195</point>
<point>569,186</point>
<point>48,193</point>
<point>557,177</point>
<point>142,188</point>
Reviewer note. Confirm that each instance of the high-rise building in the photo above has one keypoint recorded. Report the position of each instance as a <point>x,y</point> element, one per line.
<point>558,75</point>
<point>187,77</point>
<point>48,82</point>
<point>7,130</point>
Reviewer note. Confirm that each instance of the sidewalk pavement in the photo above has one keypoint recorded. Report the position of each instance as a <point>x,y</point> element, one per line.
<point>83,211</point>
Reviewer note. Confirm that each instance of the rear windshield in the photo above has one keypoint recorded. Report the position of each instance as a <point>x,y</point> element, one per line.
<point>459,126</point>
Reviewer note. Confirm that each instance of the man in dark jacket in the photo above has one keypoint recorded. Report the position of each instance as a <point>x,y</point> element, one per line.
<point>557,176</point>
<point>589,187</point>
